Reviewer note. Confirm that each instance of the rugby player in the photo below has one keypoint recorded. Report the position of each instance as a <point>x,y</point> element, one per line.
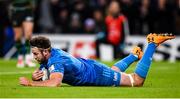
<point>21,15</point>
<point>64,68</point>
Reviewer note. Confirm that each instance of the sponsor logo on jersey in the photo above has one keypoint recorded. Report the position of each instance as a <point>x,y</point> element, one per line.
<point>115,76</point>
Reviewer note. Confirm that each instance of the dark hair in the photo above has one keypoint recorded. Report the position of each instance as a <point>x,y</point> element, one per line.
<point>40,42</point>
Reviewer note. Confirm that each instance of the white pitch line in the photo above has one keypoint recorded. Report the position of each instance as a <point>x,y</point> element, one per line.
<point>13,73</point>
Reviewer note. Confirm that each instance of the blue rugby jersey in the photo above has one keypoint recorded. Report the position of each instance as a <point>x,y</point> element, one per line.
<point>79,71</point>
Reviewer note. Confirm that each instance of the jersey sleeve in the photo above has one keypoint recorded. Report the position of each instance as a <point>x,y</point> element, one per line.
<point>56,67</point>
<point>41,67</point>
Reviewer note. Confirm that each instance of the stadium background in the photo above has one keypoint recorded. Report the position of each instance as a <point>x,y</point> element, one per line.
<point>54,19</point>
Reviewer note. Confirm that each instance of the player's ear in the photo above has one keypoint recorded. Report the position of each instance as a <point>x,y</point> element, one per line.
<point>45,52</point>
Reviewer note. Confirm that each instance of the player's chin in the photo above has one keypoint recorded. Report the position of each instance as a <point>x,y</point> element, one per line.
<point>39,61</point>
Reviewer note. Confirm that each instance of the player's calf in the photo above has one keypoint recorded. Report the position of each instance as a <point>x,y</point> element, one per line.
<point>123,64</point>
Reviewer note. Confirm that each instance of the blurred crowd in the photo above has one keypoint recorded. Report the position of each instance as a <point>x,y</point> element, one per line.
<point>87,16</point>
<point>111,20</point>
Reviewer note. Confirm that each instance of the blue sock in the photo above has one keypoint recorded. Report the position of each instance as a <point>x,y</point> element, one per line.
<point>143,65</point>
<point>125,62</point>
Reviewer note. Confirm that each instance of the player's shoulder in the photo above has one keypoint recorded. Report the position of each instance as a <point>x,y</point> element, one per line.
<point>58,56</point>
<point>58,52</point>
<point>55,55</point>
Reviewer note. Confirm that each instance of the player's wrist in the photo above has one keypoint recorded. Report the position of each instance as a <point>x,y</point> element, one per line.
<point>30,83</point>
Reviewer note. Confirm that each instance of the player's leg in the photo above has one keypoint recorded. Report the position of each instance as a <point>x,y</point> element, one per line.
<point>16,19</point>
<point>138,77</point>
<point>123,64</point>
<point>28,29</point>
<point>19,46</point>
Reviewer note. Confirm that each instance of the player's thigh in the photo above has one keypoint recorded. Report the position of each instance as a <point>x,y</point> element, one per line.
<point>28,28</point>
<point>18,32</point>
<point>28,23</point>
<point>16,20</point>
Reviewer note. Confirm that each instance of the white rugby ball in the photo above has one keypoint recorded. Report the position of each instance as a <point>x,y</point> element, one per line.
<point>46,74</point>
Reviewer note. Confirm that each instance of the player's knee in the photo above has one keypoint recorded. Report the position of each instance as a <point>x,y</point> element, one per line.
<point>138,81</point>
<point>132,80</point>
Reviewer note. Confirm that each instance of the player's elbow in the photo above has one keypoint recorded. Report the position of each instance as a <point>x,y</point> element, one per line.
<point>55,85</point>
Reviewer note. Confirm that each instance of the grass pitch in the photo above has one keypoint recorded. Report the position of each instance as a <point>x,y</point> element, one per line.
<point>163,81</point>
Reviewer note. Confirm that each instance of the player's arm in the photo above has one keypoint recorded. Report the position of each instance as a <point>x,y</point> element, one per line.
<point>125,26</point>
<point>55,80</point>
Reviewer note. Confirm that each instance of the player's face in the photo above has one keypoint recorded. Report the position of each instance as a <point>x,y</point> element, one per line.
<point>38,55</point>
<point>114,8</point>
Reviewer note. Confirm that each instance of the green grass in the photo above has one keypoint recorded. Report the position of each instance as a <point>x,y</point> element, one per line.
<point>163,81</point>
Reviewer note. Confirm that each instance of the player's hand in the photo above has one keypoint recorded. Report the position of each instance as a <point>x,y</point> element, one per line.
<point>24,81</point>
<point>37,75</point>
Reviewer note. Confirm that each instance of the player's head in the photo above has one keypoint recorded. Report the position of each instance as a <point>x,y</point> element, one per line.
<point>41,47</point>
<point>114,8</point>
